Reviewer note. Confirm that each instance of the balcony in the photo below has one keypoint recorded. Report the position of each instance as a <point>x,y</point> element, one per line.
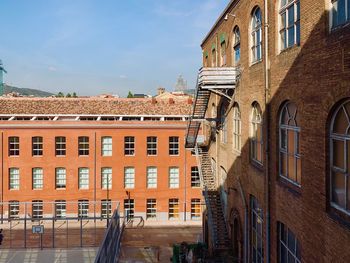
<point>218,78</point>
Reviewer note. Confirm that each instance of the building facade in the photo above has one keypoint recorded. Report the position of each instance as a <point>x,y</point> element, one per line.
<point>278,137</point>
<point>81,157</point>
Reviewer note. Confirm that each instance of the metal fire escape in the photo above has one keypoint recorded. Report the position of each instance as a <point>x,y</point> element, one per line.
<point>220,81</point>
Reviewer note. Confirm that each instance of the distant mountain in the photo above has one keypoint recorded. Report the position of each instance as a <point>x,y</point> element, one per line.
<point>26,92</point>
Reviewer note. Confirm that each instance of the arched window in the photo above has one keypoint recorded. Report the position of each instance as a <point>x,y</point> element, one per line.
<point>236,45</point>
<point>223,53</point>
<point>223,122</point>
<point>213,57</point>
<point>256,35</point>
<point>289,23</point>
<point>256,137</point>
<point>340,158</point>
<point>236,128</point>
<point>340,13</point>
<point>290,163</point>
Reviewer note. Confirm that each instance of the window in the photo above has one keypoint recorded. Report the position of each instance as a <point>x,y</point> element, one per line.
<point>37,146</point>
<point>256,139</point>
<point>236,45</point>
<point>195,180</point>
<point>83,145</point>
<point>60,178</point>
<point>37,209</point>
<point>151,177</point>
<point>60,146</point>
<point>13,146</point>
<point>60,208</point>
<point>213,57</point>
<point>195,209</point>
<point>288,245</point>
<point>106,173</point>
<point>340,13</point>
<point>83,178</point>
<point>236,128</point>
<point>129,206</point>
<point>13,209</point>
<point>257,247</point>
<point>38,178</point>
<point>173,177</point>
<point>106,208</point>
<point>223,122</point>
<point>223,53</point>
<point>151,211</point>
<point>83,208</point>
<point>106,146</point>
<point>290,23</point>
<point>129,177</point>
<point>152,145</point>
<point>256,35</point>
<point>129,145</point>
<point>173,145</point>
<point>340,158</point>
<point>290,163</point>
<point>14,178</point>
<point>174,208</point>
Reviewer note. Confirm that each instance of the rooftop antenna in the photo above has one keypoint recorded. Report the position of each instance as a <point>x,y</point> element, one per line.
<point>2,70</point>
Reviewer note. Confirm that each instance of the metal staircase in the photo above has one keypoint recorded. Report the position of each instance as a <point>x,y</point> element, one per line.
<point>216,218</point>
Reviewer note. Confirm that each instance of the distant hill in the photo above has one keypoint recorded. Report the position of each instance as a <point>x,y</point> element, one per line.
<point>26,92</point>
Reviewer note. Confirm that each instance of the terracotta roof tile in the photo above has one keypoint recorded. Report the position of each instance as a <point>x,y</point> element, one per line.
<point>96,106</point>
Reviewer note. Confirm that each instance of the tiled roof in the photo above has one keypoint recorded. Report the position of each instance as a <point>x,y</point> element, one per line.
<point>95,106</point>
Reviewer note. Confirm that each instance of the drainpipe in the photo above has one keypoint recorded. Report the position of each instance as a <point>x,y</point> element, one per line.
<point>246,241</point>
<point>267,147</point>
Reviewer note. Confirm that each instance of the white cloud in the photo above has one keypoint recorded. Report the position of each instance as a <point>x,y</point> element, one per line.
<point>123,77</point>
<point>52,68</point>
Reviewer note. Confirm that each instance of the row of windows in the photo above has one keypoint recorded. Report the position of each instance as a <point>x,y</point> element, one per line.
<point>289,30</point>
<point>289,148</point>
<point>84,148</point>
<point>106,178</point>
<point>288,245</point>
<point>83,206</point>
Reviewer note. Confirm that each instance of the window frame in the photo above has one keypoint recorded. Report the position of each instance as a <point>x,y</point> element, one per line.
<point>195,208</point>
<point>60,146</point>
<point>14,178</point>
<point>236,45</point>
<point>195,177</point>
<point>223,55</point>
<point>152,177</point>
<point>129,208</point>
<point>257,216</point>
<point>106,208</point>
<point>106,178</point>
<point>59,180</point>
<point>37,146</point>
<point>256,122</point>
<point>83,208</point>
<point>285,244</point>
<point>129,145</point>
<point>37,209</point>
<point>174,146</point>
<point>151,208</point>
<point>60,209</point>
<point>174,177</point>
<point>14,146</point>
<point>346,21</point>
<point>173,209</point>
<point>285,26</point>
<point>255,35</point>
<point>83,178</point>
<point>129,178</point>
<point>37,177</point>
<point>237,129</point>
<point>106,146</point>
<point>152,142</point>
<point>13,212</point>
<point>83,146</point>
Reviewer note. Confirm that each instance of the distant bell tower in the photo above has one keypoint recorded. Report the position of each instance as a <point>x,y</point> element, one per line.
<point>181,84</point>
<point>2,70</point>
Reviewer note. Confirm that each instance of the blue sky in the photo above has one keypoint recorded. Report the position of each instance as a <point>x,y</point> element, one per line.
<point>103,46</point>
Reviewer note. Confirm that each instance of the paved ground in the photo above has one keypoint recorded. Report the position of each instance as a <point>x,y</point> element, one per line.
<point>80,255</point>
<point>154,244</point>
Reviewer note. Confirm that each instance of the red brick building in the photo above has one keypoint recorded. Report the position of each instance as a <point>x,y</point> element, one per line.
<point>82,154</point>
<point>273,100</point>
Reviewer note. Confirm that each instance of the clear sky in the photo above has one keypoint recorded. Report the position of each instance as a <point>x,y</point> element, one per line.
<point>103,46</point>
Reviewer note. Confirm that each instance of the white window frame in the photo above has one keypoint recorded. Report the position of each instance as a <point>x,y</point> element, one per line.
<point>174,209</point>
<point>60,209</point>
<point>129,208</point>
<point>174,177</point>
<point>291,250</point>
<point>83,174</point>
<point>174,148</point>
<point>152,175</point>
<point>333,7</point>
<point>61,178</point>
<point>129,145</point>
<point>237,129</point>
<point>106,208</point>
<point>37,209</point>
<point>223,55</point>
<point>37,146</point>
<point>83,208</point>
<point>83,146</point>
<point>14,178</point>
<point>195,179</point>
<point>60,146</point>
<point>195,209</point>
<point>257,218</point>
<point>38,178</point>
<point>106,175</point>
<point>13,146</point>
<point>236,45</point>
<point>256,33</point>
<point>106,146</point>
<point>151,208</point>
<point>256,124</point>
<point>286,26</point>
<point>152,145</point>
<point>13,209</point>
<point>129,177</point>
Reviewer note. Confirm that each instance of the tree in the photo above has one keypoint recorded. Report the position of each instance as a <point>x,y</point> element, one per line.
<point>130,95</point>
<point>68,95</point>
<point>60,94</point>
<point>74,95</point>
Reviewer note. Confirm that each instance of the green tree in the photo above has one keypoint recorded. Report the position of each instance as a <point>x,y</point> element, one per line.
<point>68,95</point>
<point>130,95</point>
<point>60,94</point>
<point>74,95</point>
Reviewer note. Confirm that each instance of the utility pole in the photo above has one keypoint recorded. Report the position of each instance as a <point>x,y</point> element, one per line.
<point>2,70</point>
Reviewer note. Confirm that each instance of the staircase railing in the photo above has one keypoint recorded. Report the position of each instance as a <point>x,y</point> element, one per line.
<point>109,250</point>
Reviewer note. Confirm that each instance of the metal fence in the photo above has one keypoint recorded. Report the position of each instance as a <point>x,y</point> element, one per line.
<point>110,247</point>
<point>59,224</point>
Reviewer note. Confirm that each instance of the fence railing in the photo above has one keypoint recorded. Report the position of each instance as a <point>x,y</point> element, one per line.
<point>109,250</point>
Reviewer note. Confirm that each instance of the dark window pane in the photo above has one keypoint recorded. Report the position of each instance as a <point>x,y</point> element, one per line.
<point>338,189</point>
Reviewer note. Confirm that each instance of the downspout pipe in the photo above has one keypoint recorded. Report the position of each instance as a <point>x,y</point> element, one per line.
<point>267,123</point>
<point>246,241</point>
